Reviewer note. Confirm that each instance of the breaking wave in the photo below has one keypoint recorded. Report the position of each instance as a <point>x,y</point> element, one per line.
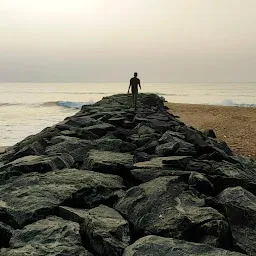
<point>66,104</point>
<point>229,102</point>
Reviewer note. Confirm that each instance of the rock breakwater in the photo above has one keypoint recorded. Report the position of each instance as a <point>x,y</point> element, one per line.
<point>112,181</point>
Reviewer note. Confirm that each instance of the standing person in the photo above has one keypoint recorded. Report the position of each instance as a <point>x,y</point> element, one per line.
<point>134,83</point>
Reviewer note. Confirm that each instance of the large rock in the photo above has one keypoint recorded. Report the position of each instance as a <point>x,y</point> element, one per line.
<point>224,174</point>
<point>100,129</point>
<point>103,229</point>
<point>200,183</point>
<point>160,246</point>
<point>33,149</point>
<point>109,162</point>
<point>23,147</point>
<point>167,149</point>
<point>145,175</point>
<point>240,208</point>
<point>76,122</point>
<point>32,163</point>
<point>31,197</point>
<point>169,162</point>
<point>184,148</point>
<point>168,136</point>
<point>6,233</point>
<point>52,236</point>
<point>78,148</point>
<point>165,206</point>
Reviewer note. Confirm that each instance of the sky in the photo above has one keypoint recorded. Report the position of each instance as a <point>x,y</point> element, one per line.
<point>108,40</point>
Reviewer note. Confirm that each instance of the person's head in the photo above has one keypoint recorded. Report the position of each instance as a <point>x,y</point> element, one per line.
<point>135,74</point>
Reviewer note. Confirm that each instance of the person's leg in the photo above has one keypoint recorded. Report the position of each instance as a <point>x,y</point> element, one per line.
<point>135,99</point>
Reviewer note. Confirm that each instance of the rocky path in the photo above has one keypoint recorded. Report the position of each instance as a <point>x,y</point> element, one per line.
<point>111,181</point>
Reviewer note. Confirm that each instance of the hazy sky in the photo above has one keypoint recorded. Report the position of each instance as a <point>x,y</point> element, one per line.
<point>107,40</point>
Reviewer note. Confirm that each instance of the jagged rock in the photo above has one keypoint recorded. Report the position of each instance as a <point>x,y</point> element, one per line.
<point>168,136</point>
<point>200,183</point>
<point>143,129</point>
<point>193,136</point>
<point>33,149</point>
<point>42,138</point>
<point>86,135</point>
<point>31,197</point>
<point>68,133</point>
<point>78,148</point>
<point>5,234</point>
<point>108,162</point>
<point>210,133</point>
<point>178,161</point>
<point>100,129</point>
<point>122,134</point>
<point>141,156</point>
<point>141,140</point>
<point>166,206</point>
<point>167,149</point>
<point>78,122</point>
<point>52,236</point>
<point>33,163</point>
<point>160,246</point>
<point>240,208</point>
<point>145,175</point>
<point>185,148</point>
<point>105,231</point>
<point>169,162</point>
<point>224,174</point>
<point>149,148</point>
<point>117,121</point>
<point>128,124</point>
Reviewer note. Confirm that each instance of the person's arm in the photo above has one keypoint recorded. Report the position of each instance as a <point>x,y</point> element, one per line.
<point>139,84</point>
<point>129,87</point>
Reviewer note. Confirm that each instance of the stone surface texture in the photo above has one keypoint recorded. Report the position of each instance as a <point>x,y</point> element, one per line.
<point>110,180</point>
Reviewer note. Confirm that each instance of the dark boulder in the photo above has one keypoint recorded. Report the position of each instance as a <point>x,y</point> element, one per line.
<point>100,129</point>
<point>184,147</point>
<point>78,148</point>
<point>51,236</point>
<point>33,163</point>
<point>168,136</point>
<point>108,162</point>
<point>103,229</point>
<point>76,122</point>
<point>31,197</point>
<point>145,175</point>
<point>161,246</point>
<point>240,208</point>
<point>210,133</point>
<point>165,206</point>
<point>200,183</point>
<point>167,149</point>
<point>6,233</point>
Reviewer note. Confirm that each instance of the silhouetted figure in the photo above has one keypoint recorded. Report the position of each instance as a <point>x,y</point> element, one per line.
<point>134,83</point>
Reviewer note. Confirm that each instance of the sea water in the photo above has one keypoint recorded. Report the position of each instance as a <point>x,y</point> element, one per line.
<point>27,108</point>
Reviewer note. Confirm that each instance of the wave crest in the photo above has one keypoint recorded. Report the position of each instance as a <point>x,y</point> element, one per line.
<point>229,102</point>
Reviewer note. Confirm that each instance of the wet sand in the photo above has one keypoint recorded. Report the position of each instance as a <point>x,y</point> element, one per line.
<point>235,125</point>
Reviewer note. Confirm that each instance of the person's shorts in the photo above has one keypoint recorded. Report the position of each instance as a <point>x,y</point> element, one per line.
<point>134,91</point>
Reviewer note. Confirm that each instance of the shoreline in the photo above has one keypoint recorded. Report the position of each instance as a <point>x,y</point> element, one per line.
<point>233,124</point>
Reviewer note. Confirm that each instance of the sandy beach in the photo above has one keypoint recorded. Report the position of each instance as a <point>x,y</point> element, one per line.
<point>235,125</point>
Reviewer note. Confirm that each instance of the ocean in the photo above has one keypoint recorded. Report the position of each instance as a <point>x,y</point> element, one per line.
<point>27,108</point>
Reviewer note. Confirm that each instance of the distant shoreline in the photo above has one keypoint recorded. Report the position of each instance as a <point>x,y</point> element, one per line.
<point>232,124</point>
